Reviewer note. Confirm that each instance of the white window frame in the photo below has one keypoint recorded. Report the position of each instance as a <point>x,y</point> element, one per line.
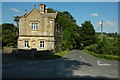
<point>34,25</point>
<point>51,22</point>
<point>26,45</point>
<point>42,45</point>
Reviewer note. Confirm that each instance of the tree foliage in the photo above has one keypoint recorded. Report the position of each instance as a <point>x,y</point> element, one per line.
<point>105,47</point>
<point>87,33</point>
<point>9,35</point>
<point>16,19</point>
<point>74,36</point>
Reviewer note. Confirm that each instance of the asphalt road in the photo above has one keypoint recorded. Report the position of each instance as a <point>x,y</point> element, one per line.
<point>76,64</point>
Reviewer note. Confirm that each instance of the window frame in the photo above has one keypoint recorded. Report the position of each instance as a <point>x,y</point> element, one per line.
<point>42,44</point>
<point>34,25</point>
<point>26,44</point>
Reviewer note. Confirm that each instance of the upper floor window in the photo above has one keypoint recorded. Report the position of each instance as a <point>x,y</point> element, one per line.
<point>34,26</point>
<point>26,44</point>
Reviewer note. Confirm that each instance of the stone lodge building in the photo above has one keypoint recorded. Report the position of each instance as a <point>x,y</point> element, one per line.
<point>38,29</point>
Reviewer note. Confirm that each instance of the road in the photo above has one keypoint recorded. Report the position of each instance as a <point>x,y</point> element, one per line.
<point>76,64</point>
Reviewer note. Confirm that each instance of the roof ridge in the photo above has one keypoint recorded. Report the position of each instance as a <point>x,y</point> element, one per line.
<point>32,10</point>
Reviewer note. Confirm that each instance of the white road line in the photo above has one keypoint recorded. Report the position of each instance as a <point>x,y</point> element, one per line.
<point>83,59</point>
<point>101,63</point>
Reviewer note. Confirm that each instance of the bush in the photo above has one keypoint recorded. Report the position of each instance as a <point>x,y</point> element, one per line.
<point>92,48</point>
<point>108,57</point>
<point>104,47</point>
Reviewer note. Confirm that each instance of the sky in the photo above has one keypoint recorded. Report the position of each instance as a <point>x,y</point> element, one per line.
<point>81,11</point>
<point>60,0</point>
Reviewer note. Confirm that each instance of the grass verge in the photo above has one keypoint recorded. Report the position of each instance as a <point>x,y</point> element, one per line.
<point>107,57</point>
<point>61,53</point>
<point>55,55</point>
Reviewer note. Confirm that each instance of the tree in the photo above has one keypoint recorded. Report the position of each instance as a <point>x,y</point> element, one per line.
<point>9,35</point>
<point>16,19</point>
<point>105,47</point>
<point>87,34</point>
<point>70,34</point>
<point>50,10</point>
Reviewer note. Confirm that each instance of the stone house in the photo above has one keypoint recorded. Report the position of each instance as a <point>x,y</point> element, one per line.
<point>38,29</point>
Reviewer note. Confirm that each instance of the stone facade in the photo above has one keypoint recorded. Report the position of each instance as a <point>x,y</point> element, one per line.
<point>38,29</point>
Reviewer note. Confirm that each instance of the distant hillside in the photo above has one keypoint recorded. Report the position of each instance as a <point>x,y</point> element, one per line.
<point>109,35</point>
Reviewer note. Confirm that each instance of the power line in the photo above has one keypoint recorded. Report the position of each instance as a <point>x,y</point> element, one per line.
<point>98,28</point>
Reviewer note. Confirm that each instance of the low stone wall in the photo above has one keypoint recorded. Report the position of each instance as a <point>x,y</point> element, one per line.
<point>8,50</point>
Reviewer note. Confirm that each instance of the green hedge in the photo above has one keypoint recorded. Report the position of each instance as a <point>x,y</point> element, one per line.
<point>108,57</point>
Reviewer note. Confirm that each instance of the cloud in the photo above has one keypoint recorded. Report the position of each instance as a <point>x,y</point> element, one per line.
<point>107,23</point>
<point>94,14</point>
<point>16,10</point>
<point>110,23</point>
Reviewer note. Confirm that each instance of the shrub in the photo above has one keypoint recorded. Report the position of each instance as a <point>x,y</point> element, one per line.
<point>108,57</point>
<point>104,47</point>
<point>92,48</point>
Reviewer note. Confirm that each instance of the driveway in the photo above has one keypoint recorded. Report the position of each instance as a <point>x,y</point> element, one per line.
<point>76,64</point>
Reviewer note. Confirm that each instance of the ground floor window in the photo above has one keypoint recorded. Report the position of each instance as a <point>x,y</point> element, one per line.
<point>26,44</point>
<point>41,44</point>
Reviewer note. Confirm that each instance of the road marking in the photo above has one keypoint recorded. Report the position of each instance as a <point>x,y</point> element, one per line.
<point>83,59</point>
<point>101,63</point>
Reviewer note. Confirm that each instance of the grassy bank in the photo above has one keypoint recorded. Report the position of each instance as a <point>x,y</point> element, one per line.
<point>55,55</point>
<point>61,53</point>
<point>107,57</point>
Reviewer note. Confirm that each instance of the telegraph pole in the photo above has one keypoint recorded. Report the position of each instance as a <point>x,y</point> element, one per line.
<point>101,30</point>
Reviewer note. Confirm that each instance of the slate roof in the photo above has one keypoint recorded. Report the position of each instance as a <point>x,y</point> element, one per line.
<point>49,15</point>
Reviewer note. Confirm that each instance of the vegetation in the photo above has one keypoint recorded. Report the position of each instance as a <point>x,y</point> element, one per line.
<point>55,55</point>
<point>88,34</point>
<point>107,48</point>
<point>9,35</point>
<point>108,57</point>
<point>74,36</point>
<point>61,53</point>
<point>16,19</point>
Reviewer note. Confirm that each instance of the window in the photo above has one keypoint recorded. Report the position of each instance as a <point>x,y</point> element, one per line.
<point>41,44</point>
<point>34,26</point>
<point>26,44</point>
<point>51,21</point>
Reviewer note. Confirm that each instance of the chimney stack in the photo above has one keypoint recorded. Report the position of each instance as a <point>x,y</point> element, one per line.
<point>42,8</point>
<point>46,10</point>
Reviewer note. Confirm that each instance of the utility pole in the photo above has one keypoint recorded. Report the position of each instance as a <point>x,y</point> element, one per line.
<point>101,30</point>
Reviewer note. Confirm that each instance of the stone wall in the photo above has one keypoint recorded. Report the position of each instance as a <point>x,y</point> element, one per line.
<point>8,50</point>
